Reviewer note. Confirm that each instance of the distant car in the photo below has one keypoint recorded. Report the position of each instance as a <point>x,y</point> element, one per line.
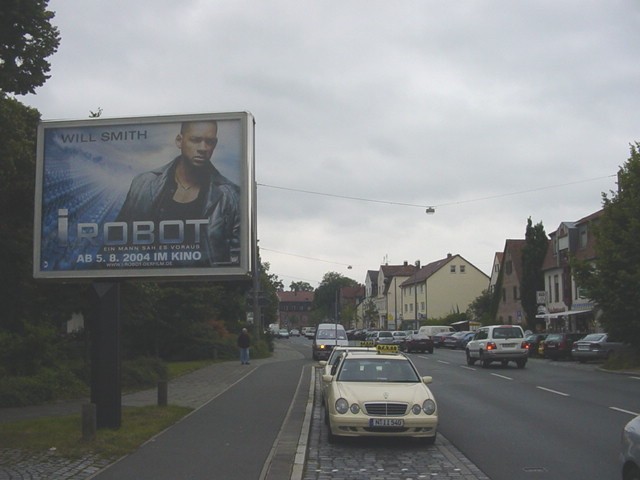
<point>375,394</point>
<point>558,345</point>
<point>399,336</point>
<point>283,333</point>
<point>595,346</point>
<point>328,335</point>
<point>630,450</point>
<point>383,337</point>
<point>311,332</point>
<point>534,340</point>
<point>457,340</point>
<point>417,342</point>
<point>294,332</point>
<point>438,338</point>
<point>498,343</point>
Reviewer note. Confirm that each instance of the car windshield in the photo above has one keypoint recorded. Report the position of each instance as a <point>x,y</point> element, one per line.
<point>399,334</point>
<point>377,370</point>
<point>507,333</point>
<point>594,337</point>
<point>385,334</point>
<point>331,333</point>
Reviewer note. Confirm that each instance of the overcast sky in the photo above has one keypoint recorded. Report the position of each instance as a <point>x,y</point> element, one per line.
<point>491,111</point>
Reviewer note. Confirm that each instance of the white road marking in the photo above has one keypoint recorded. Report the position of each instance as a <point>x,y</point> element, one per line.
<point>635,414</point>
<point>501,376</point>
<point>554,391</point>
<point>442,361</point>
<point>467,368</point>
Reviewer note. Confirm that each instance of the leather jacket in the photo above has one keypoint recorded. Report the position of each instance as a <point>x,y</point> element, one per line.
<point>149,190</point>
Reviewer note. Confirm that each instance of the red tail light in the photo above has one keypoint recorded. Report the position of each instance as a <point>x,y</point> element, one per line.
<point>526,345</point>
<point>491,346</point>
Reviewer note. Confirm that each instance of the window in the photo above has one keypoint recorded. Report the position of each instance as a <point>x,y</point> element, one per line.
<point>508,267</point>
<point>462,268</point>
<point>453,269</point>
<point>422,306</point>
<point>515,293</point>
<point>556,288</point>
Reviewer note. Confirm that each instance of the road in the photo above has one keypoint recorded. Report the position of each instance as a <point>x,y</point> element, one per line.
<point>551,420</point>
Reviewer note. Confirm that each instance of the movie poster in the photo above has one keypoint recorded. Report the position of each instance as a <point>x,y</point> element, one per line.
<point>148,197</point>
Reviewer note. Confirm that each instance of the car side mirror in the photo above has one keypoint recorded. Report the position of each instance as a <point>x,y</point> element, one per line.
<point>427,380</point>
<point>327,378</point>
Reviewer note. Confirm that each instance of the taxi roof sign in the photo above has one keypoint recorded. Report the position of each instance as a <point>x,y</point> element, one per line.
<point>385,349</point>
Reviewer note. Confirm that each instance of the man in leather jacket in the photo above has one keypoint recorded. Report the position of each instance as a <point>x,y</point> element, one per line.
<point>191,188</point>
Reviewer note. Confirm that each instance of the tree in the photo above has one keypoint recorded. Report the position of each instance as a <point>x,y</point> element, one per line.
<point>27,39</point>
<point>612,279</point>
<point>327,294</point>
<point>480,309</point>
<point>369,312</point>
<point>300,287</point>
<point>533,254</point>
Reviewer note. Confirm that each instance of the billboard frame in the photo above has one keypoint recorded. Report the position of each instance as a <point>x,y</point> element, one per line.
<point>104,128</point>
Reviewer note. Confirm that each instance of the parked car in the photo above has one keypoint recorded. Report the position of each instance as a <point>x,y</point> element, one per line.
<point>458,340</point>
<point>630,450</point>
<point>399,336</point>
<point>329,365</point>
<point>294,332</point>
<point>418,342</point>
<point>311,332</point>
<point>431,330</point>
<point>438,338</point>
<point>374,394</point>
<point>283,333</point>
<point>595,346</point>
<point>498,343</point>
<point>534,340</point>
<point>558,345</point>
<point>383,337</point>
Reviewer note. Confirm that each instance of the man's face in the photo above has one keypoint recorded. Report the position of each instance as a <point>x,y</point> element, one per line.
<point>197,142</point>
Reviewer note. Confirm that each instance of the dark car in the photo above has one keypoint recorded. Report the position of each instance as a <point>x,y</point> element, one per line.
<point>534,342</point>
<point>558,345</point>
<point>416,342</point>
<point>458,340</point>
<point>438,338</point>
<point>595,346</point>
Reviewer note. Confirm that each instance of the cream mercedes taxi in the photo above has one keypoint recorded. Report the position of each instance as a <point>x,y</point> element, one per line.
<point>379,394</point>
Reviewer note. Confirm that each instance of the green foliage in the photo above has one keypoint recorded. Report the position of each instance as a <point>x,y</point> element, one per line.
<point>27,38</point>
<point>533,254</point>
<point>612,280</point>
<point>143,372</point>
<point>47,385</point>
<point>480,309</point>
<point>300,287</point>
<point>326,295</point>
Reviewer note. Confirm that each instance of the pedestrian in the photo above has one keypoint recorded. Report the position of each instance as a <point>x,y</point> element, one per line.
<point>243,344</point>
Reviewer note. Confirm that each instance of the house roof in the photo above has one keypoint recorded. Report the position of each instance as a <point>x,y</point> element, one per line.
<point>514,248</point>
<point>295,296</point>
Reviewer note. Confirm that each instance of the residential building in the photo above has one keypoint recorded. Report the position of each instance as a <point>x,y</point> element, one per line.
<point>566,308</point>
<point>510,310</point>
<point>440,288</point>
<point>294,309</point>
<point>388,296</point>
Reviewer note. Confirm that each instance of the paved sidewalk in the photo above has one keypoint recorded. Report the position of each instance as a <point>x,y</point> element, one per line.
<point>192,390</point>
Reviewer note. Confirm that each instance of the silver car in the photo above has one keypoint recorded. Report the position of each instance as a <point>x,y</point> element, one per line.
<point>595,346</point>
<point>630,451</point>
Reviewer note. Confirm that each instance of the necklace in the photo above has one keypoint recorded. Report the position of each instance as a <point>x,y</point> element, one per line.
<point>180,183</point>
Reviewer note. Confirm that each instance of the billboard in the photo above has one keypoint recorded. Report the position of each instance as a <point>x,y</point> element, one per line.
<point>151,197</point>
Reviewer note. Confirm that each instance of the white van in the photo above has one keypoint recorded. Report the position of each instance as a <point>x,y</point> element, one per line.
<point>327,336</point>
<point>431,330</point>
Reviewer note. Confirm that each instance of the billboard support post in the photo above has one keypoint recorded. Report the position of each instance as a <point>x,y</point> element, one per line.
<point>105,355</point>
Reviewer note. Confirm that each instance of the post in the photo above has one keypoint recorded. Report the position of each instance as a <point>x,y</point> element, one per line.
<point>163,393</point>
<point>105,355</point>
<point>415,293</point>
<point>89,425</point>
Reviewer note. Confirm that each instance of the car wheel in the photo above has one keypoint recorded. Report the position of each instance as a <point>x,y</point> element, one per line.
<point>484,361</point>
<point>631,473</point>
<point>470,361</point>
<point>521,363</point>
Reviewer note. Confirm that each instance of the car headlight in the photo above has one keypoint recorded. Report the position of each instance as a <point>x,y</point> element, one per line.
<point>429,406</point>
<point>342,406</point>
<point>355,408</point>
<point>416,409</point>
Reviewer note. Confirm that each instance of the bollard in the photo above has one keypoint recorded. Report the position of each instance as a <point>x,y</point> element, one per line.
<point>163,393</point>
<point>89,423</point>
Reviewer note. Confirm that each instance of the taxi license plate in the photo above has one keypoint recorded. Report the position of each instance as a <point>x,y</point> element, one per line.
<point>508,345</point>
<point>386,422</point>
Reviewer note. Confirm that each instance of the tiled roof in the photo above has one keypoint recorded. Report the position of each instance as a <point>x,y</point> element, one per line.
<point>295,296</point>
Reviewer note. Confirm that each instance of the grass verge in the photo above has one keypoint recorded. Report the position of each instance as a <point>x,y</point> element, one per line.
<point>64,434</point>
